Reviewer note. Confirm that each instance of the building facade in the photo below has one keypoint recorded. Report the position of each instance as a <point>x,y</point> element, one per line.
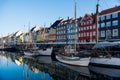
<point>109,24</point>
<point>61,32</point>
<point>87,29</point>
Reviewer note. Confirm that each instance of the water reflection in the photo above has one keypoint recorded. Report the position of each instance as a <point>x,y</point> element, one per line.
<point>103,73</point>
<point>15,66</point>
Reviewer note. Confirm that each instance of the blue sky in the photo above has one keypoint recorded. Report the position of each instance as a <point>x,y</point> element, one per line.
<point>16,14</point>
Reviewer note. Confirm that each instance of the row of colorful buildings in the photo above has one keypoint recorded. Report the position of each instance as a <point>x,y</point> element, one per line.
<point>63,31</point>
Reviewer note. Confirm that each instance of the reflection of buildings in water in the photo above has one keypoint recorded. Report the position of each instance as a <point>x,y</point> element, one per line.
<point>104,73</point>
<point>58,71</point>
<point>14,57</point>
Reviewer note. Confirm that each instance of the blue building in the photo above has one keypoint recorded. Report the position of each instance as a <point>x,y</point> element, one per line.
<point>109,24</point>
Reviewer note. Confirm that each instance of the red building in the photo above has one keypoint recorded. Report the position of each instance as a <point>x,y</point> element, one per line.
<point>87,29</point>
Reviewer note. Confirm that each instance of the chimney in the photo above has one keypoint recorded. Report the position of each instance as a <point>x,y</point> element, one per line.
<point>68,17</point>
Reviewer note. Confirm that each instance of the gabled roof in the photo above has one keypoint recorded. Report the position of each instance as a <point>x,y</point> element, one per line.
<point>55,24</point>
<point>17,33</point>
<point>90,16</point>
<point>110,10</point>
<point>36,28</point>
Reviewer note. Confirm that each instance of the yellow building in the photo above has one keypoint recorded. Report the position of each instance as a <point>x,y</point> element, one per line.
<point>52,35</point>
<point>41,35</point>
<point>21,38</point>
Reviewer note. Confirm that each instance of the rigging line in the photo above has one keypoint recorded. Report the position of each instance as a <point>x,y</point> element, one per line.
<point>106,4</point>
<point>79,9</point>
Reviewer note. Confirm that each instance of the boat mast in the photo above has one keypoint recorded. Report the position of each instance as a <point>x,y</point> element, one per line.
<point>29,35</point>
<point>96,20</point>
<point>44,33</point>
<point>75,27</point>
<point>2,41</point>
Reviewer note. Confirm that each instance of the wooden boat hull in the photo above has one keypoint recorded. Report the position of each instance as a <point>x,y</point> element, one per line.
<point>80,62</point>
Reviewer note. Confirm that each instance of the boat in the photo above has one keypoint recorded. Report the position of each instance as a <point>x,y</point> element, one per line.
<point>71,57</point>
<point>31,49</point>
<point>76,61</point>
<point>28,53</point>
<point>108,54</point>
<point>105,53</point>
<point>46,51</point>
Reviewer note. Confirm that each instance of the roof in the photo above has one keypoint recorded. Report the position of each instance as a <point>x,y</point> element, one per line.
<point>105,44</point>
<point>55,24</point>
<point>36,28</point>
<point>110,10</point>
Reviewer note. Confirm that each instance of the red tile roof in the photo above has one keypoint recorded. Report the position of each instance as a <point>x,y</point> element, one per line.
<point>110,10</point>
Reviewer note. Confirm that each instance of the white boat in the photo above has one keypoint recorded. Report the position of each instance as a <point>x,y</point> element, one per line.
<point>28,53</point>
<point>102,61</point>
<point>70,50</point>
<point>108,56</point>
<point>74,60</point>
<point>46,51</point>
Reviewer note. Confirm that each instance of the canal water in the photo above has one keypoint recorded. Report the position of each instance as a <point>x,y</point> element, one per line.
<point>16,66</point>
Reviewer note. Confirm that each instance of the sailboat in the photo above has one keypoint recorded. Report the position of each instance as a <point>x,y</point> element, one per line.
<point>73,60</point>
<point>105,53</point>
<point>46,51</point>
<point>31,50</point>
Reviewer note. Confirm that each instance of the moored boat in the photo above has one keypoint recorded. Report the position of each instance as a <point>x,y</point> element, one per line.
<point>77,61</point>
<point>28,53</point>
<point>108,54</point>
<point>45,51</point>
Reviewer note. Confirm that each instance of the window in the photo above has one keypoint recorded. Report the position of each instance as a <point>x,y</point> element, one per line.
<point>108,34</point>
<point>87,22</point>
<point>115,32</point>
<point>99,25</point>
<point>84,28</point>
<point>90,21</point>
<point>102,18</point>
<point>81,34</point>
<point>90,27</point>
<point>94,33</point>
<point>108,24</point>
<point>102,33</point>
<point>115,23</point>
<point>87,33</point>
<point>84,23</point>
<point>102,24</point>
<point>94,27</point>
<point>115,15</point>
<point>107,16</point>
<point>90,33</point>
<point>99,19</point>
<point>84,34</point>
<point>87,28</point>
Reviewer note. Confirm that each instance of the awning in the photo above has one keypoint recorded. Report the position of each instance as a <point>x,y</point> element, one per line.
<point>105,44</point>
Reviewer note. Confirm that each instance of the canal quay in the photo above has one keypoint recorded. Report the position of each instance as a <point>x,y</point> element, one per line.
<point>77,48</point>
<point>16,66</point>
